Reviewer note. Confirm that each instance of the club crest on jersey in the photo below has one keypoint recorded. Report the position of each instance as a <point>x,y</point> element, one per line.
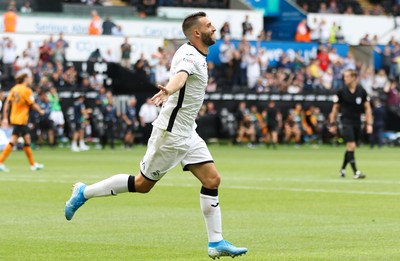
<point>358,100</point>
<point>155,174</point>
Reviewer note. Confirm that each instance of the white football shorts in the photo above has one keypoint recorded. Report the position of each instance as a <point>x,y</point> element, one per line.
<point>57,117</point>
<point>166,150</point>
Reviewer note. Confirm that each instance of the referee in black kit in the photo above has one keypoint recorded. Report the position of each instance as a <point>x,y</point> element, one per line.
<point>351,100</point>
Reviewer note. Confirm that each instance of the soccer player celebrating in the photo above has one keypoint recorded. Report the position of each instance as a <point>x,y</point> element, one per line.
<point>16,109</point>
<point>174,139</point>
<point>351,100</point>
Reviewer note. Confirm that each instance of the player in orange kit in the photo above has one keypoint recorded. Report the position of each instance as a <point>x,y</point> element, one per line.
<point>16,112</point>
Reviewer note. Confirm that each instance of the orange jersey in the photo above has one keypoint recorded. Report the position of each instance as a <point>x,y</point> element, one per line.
<point>95,26</point>
<point>21,99</point>
<point>10,21</point>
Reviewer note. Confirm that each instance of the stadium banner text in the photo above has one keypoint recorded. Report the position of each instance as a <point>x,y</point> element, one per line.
<point>235,18</point>
<point>170,29</point>
<point>80,47</point>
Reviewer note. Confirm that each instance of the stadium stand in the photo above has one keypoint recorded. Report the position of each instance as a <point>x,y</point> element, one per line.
<point>83,10</point>
<point>314,6</point>
<point>249,73</point>
<point>366,7</point>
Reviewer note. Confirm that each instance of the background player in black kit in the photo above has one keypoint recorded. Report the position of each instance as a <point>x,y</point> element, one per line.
<point>351,100</point>
<point>273,119</point>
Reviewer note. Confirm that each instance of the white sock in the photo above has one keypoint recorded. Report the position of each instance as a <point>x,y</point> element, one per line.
<point>108,187</point>
<point>212,215</point>
<point>74,144</point>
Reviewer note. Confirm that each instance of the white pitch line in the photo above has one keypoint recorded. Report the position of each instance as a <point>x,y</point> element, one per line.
<point>67,178</point>
<point>350,180</point>
<point>307,180</point>
<point>166,184</point>
<point>383,193</point>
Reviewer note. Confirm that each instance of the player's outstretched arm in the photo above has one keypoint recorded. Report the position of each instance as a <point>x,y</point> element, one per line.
<point>174,84</point>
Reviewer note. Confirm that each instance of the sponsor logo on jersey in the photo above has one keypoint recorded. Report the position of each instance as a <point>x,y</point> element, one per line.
<point>143,166</point>
<point>358,100</point>
<point>188,60</point>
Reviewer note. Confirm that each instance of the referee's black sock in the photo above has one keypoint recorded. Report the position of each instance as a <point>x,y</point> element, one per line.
<point>352,160</point>
<point>345,160</point>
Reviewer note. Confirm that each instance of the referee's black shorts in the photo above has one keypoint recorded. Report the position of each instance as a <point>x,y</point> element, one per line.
<point>351,133</point>
<point>272,127</point>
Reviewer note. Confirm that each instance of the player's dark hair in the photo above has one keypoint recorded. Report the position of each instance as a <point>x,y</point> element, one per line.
<point>190,21</point>
<point>21,78</point>
<point>353,73</point>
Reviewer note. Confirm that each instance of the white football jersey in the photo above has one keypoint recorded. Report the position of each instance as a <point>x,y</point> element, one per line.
<point>178,114</point>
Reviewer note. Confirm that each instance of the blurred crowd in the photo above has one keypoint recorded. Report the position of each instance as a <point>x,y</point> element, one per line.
<point>319,31</point>
<point>243,68</point>
<point>267,124</point>
<point>350,7</point>
<point>246,68</point>
<point>82,120</point>
<point>148,7</point>
<point>375,7</point>
<point>302,123</point>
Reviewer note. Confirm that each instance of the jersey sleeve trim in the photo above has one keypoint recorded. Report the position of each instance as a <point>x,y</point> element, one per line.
<point>183,70</point>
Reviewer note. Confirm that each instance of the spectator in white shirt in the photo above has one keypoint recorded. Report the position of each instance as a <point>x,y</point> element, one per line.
<point>325,31</point>
<point>9,56</point>
<point>226,50</point>
<point>349,62</point>
<point>380,80</point>
<point>147,114</point>
<point>25,61</point>
<point>161,72</point>
<point>253,69</point>
<point>117,30</point>
<point>32,52</point>
<point>327,79</point>
<point>109,57</point>
<point>334,56</point>
<point>314,27</point>
<point>26,8</point>
<point>263,57</point>
<point>367,79</point>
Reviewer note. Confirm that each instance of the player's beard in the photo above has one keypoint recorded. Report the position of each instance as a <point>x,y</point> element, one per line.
<point>208,39</point>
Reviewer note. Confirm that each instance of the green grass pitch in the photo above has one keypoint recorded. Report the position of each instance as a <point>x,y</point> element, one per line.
<point>285,204</point>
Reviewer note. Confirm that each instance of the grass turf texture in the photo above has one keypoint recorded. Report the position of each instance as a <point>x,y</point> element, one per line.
<point>285,204</point>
